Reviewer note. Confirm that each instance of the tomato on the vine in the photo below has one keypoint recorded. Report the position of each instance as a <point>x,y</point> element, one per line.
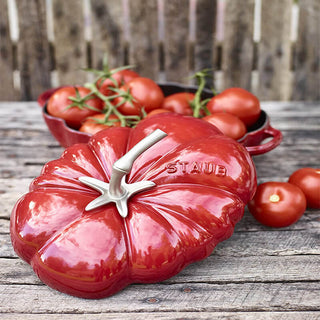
<point>99,122</point>
<point>228,124</point>
<point>179,103</point>
<point>137,94</point>
<point>238,102</point>
<point>74,104</point>
<point>277,204</point>
<point>308,180</point>
<point>117,79</point>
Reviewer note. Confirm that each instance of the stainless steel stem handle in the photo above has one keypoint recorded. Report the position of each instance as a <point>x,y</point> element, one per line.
<point>125,163</point>
<point>118,191</point>
<point>123,166</point>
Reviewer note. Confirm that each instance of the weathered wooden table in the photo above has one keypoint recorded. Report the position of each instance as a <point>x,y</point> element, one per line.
<point>259,273</point>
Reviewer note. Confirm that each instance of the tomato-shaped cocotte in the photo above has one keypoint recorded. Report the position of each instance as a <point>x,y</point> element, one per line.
<point>132,205</point>
<point>238,102</point>
<point>308,180</point>
<point>277,204</point>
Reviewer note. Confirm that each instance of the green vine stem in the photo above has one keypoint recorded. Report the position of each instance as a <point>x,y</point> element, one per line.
<point>196,104</point>
<point>112,109</point>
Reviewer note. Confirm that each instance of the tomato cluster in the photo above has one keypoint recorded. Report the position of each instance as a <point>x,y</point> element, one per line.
<point>121,97</point>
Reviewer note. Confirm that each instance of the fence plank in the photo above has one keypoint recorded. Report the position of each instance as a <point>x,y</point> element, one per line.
<point>107,30</point>
<point>33,49</point>
<point>176,42</point>
<point>274,50</point>
<point>70,46</point>
<point>143,50</point>
<point>206,12</point>
<point>307,59</point>
<point>237,55</point>
<point>7,91</point>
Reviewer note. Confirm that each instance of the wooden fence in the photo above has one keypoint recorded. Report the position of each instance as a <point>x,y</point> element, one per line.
<point>166,40</point>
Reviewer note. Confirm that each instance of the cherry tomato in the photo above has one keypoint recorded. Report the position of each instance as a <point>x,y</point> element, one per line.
<point>121,77</point>
<point>179,103</point>
<point>228,124</point>
<point>277,204</point>
<point>238,102</point>
<point>59,105</point>
<point>97,123</point>
<point>308,180</point>
<point>145,94</point>
<point>157,111</point>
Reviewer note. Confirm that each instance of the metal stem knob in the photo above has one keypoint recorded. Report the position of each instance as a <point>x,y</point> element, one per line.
<point>118,191</point>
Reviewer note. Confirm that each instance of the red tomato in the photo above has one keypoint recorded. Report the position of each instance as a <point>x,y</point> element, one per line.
<point>277,204</point>
<point>59,105</point>
<point>238,102</point>
<point>145,94</point>
<point>157,111</point>
<point>308,180</point>
<point>228,124</point>
<point>179,103</point>
<point>97,123</point>
<point>121,77</point>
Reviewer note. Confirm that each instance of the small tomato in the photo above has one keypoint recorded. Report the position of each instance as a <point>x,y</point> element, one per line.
<point>277,204</point>
<point>308,180</point>
<point>99,122</point>
<point>238,102</point>
<point>119,78</point>
<point>228,124</point>
<point>139,93</point>
<point>157,111</point>
<point>179,103</point>
<point>62,105</point>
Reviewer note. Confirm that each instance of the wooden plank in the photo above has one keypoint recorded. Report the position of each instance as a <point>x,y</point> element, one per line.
<point>274,50</point>
<point>176,40</point>
<point>206,11</point>
<point>175,315</point>
<point>161,297</point>
<point>69,44</point>
<point>307,58</point>
<point>214,269</point>
<point>33,49</point>
<point>143,43</point>
<point>107,32</point>
<point>237,50</point>
<point>7,90</point>
<point>276,242</point>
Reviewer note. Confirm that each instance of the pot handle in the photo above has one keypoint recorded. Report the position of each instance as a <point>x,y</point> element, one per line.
<point>268,132</point>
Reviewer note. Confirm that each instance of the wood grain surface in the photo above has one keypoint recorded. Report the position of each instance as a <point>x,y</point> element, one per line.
<point>259,273</point>
<point>237,52</point>
<point>7,90</point>
<point>274,50</point>
<point>47,43</point>
<point>33,48</point>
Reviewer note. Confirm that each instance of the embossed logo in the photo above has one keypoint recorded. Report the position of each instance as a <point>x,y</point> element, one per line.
<point>196,167</point>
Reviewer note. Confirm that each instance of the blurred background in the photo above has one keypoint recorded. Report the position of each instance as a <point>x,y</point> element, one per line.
<point>269,47</point>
